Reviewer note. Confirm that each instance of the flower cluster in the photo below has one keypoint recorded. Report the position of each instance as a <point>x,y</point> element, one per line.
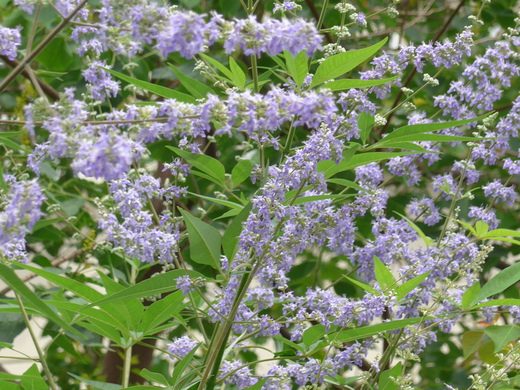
<point>181,346</point>
<point>9,41</point>
<point>139,234</point>
<point>126,27</point>
<point>21,209</point>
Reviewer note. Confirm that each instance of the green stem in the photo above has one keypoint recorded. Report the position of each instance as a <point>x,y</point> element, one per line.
<point>126,368</point>
<point>322,14</point>
<point>254,71</point>
<point>43,362</point>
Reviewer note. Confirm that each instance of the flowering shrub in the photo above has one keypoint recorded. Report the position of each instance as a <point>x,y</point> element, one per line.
<point>261,195</point>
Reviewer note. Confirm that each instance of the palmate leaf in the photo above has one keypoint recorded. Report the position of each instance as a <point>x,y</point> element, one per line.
<point>32,300</point>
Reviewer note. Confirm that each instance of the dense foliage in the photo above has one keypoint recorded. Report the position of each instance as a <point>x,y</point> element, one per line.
<point>260,194</point>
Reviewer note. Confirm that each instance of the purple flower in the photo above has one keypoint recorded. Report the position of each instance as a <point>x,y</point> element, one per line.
<point>10,39</point>
<point>425,208</point>
<point>101,83</point>
<point>181,346</point>
<point>240,377</point>
<point>21,211</point>
<point>108,157</point>
<point>486,215</point>
<point>497,190</point>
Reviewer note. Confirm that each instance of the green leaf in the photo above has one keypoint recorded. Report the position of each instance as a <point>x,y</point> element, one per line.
<point>222,202</point>
<point>486,353</point>
<point>205,241</point>
<point>404,289</point>
<point>11,144</point>
<point>180,367</point>
<point>471,342</point>
<point>12,280</point>
<point>218,65</point>
<point>239,77</point>
<point>469,295</point>
<point>11,134</point>
<point>153,377</point>
<point>362,159</point>
<point>500,233</point>
<point>297,67</point>
<point>343,84</point>
<point>158,284</point>
<point>365,124</point>
<point>241,171</point>
<point>195,87</point>
<point>258,385</point>
<point>3,184</point>
<point>161,311</point>
<point>406,133</point>
<point>346,183</point>
<point>469,227</point>
<point>32,380</point>
<point>96,384</point>
<point>498,302</point>
<point>385,383</point>
<point>501,335</point>
<point>406,146</point>
<point>153,88</point>
<point>46,222</point>
<point>206,164</point>
<point>364,286</point>
<point>313,334</point>
<point>230,213</point>
<point>383,275</point>
<point>78,288</point>
<point>231,236</point>
<point>372,330</point>
<point>4,385</point>
<point>342,63</point>
<point>504,279</point>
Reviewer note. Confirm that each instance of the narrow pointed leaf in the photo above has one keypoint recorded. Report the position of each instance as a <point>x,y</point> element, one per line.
<point>342,63</point>
<point>231,236</point>
<point>404,289</point>
<point>197,89</point>
<point>504,279</point>
<point>297,66</point>
<point>239,77</point>
<point>154,88</point>
<point>206,164</point>
<point>344,84</point>
<point>383,275</point>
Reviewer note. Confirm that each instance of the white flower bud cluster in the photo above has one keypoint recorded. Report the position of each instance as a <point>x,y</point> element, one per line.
<point>430,80</point>
<point>344,8</point>
<point>379,120</point>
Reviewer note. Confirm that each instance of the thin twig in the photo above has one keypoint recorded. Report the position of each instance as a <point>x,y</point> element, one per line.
<point>21,66</point>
